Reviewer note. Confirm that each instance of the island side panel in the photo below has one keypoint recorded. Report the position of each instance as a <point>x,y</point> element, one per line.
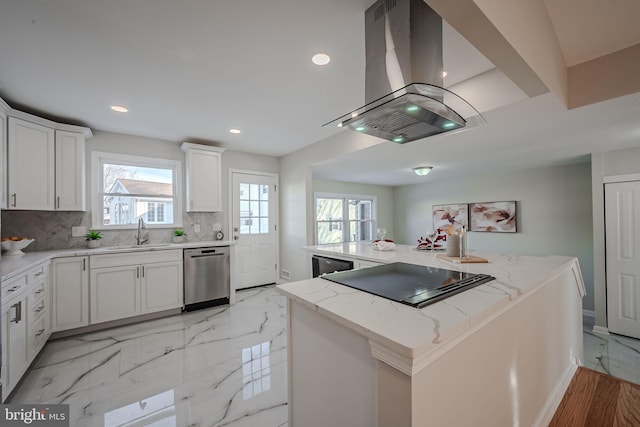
<point>512,371</point>
<point>332,375</point>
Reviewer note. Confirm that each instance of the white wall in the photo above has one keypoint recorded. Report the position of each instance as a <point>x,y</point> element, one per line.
<point>619,162</point>
<point>296,197</point>
<point>554,212</point>
<point>384,199</point>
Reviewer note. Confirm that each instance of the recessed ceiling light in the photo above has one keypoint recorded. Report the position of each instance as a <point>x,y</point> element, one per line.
<point>234,130</point>
<point>444,74</point>
<point>119,109</point>
<point>422,170</point>
<point>321,59</point>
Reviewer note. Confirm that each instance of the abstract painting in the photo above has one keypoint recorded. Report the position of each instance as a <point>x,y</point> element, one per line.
<point>456,214</point>
<point>497,217</point>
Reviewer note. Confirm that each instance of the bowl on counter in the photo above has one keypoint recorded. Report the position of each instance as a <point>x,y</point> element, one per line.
<point>14,247</point>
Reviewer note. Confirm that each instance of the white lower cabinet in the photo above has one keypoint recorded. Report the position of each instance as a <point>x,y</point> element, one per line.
<point>161,286</point>
<point>70,293</point>
<point>115,293</point>
<point>126,285</point>
<point>25,323</point>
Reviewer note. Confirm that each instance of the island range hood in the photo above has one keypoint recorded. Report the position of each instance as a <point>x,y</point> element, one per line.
<point>405,100</point>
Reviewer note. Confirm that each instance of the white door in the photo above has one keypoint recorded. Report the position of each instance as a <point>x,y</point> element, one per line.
<point>622,213</point>
<point>255,228</point>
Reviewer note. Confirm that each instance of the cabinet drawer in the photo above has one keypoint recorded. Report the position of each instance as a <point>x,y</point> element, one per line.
<point>37,291</point>
<point>37,336</point>
<point>133,258</point>
<point>13,287</point>
<point>37,274</point>
<point>38,308</point>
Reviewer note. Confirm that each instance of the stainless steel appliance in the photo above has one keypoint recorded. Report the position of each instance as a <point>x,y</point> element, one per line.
<point>410,284</point>
<point>323,265</point>
<point>207,277</point>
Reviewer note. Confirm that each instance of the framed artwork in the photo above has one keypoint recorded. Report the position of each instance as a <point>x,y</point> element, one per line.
<point>496,217</point>
<point>456,214</point>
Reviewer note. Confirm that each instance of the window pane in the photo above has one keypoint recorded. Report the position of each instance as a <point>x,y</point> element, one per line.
<point>254,191</point>
<point>125,179</point>
<point>264,208</point>
<point>244,191</point>
<point>254,227</point>
<point>255,208</point>
<point>360,230</point>
<point>264,225</point>
<point>244,208</point>
<point>329,232</point>
<point>360,209</point>
<point>123,209</point>
<point>264,192</point>
<point>329,209</point>
<point>245,224</point>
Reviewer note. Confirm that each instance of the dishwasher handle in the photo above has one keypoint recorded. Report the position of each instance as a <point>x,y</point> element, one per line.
<point>206,255</point>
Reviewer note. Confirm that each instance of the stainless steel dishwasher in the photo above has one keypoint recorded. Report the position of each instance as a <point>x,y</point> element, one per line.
<point>207,277</point>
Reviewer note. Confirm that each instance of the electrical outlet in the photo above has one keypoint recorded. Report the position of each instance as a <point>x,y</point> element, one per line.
<point>217,226</point>
<point>285,274</point>
<point>196,228</point>
<point>78,231</point>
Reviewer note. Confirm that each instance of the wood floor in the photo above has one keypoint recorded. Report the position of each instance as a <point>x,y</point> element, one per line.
<point>598,400</point>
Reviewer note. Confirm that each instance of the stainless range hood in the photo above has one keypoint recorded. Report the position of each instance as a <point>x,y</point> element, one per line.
<point>403,83</point>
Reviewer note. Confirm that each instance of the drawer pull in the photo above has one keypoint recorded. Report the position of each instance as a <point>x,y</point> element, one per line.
<point>18,307</point>
<point>40,332</point>
<point>39,309</point>
<point>39,291</point>
<point>15,288</point>
<point>39,273</point>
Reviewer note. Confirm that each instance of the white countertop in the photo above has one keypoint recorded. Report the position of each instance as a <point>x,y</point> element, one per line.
<point>418,333</point>
<point>11,265</point>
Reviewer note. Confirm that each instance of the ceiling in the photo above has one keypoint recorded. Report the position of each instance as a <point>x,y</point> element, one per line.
<point>192,70</point>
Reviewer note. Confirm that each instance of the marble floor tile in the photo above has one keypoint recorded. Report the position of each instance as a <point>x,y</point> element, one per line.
<point>224,366</point>
<point>612,354</point>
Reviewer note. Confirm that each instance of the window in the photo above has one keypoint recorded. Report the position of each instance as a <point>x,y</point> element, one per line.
<point>254,208</point>
<point>127,188</point>
<point>344,218</point>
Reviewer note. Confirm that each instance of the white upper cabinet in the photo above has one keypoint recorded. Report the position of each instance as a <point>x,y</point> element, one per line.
<point>70,171</point>
<point>30,166</point>
<point>45,166</point>
<point>204,177</point>
<point>3,150</point>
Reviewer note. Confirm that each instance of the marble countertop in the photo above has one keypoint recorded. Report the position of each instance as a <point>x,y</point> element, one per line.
<point>12,265</point>
<point>415,333</point>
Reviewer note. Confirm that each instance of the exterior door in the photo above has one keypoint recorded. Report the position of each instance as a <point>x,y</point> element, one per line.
<point>622,213</point>
<point>255,228</point>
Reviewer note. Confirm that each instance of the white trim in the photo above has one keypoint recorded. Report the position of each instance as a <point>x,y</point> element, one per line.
<point>588,313</point>
<point>189,146</point>
<point>553,401</point>
<point>602,330</point>
<point>132,160</point>
<point>345,221</point>
<point>621,178</point>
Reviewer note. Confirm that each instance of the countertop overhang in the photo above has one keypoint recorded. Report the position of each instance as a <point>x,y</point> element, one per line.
<point>409,338</point>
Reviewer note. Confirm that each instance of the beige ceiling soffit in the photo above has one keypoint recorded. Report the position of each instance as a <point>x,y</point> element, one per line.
<point>604,78</point>
<point>471,22</point>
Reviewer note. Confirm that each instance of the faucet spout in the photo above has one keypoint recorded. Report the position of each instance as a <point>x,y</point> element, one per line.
<point>140,237</point>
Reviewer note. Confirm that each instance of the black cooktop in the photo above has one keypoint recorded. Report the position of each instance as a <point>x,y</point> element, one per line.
<point>410,284</point>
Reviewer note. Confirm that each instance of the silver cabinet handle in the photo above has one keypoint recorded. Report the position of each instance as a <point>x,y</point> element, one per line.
<point>84,264</point>
<point>15,288</point>
<point>40,332</point>
<point>18,307</point>
<point>39,291</point>
<point>58,202</point>
<point>143,271</point>
<point>15,199</point>
<point>39,309</point>
<point>39,273</point>
<point>137,272</point>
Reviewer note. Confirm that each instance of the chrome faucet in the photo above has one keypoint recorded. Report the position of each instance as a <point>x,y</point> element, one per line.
<point>141,237</point>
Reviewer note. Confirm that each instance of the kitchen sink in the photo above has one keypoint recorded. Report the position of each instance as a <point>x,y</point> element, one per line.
<point>122,247</point>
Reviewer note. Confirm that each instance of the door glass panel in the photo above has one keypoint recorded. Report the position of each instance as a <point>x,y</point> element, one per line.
<point>254,209</point>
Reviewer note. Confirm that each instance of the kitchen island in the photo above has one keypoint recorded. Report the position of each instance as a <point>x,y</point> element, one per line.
<point>499,354</point>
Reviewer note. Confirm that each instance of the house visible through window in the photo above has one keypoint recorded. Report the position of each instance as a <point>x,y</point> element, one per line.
<point>130,188</point>
<point>344,218</point>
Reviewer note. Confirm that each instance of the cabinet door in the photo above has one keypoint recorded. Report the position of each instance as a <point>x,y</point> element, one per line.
<point>161,286</point>
<point>30,166</point>
<point>3,161</point>
<point>14,319</point>
<point>115,293</point>
<point>70,296</point>
<point>203,181</point>
<point>70,171</point>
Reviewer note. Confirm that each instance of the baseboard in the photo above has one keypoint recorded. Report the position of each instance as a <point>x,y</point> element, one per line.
<point>553,401</point>
<point>600,330</point>
<point>588,313</point>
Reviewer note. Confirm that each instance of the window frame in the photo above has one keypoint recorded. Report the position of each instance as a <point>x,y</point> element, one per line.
<point>345,213</point>
<point>99,158</point>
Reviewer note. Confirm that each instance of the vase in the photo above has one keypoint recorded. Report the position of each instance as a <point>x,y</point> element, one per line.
<point>179,239</point>
<point>92,244</point>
